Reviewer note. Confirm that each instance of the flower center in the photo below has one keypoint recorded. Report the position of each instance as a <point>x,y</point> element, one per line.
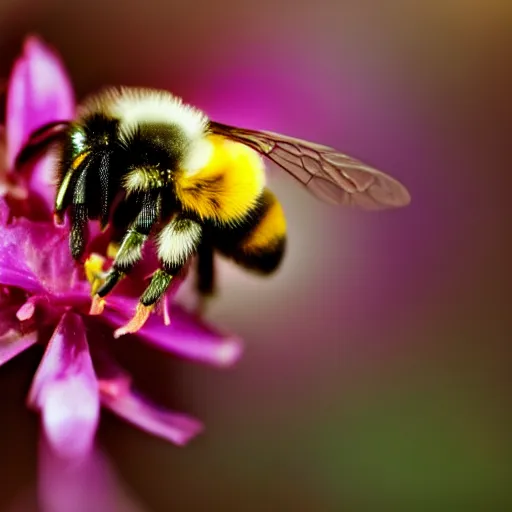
<point>94,273</point>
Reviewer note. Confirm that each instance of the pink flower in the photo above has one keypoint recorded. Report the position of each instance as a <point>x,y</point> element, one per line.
<point>90,484</point>
<point>45,300</point>
<point>39,92</point>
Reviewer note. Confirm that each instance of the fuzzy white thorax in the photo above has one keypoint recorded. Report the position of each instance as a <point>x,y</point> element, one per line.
<point>137,105</point>
<point>199,154</point>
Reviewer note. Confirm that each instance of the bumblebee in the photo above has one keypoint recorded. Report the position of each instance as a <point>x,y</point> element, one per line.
<point>152,167</point>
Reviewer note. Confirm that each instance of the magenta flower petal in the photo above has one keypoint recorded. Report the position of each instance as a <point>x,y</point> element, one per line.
<point>39,91</point>
<point>8,320</point>
<point>131,406</point>
<point>112,379</point>
<point>117,394</point>
<point>65,390</point>
<point>10,183</point>
<point>89,485</point>
<point>35,257</point>
<point>187,336</point>
<point>13,343</point>
<point>13,269</point>
<point>4,212</point>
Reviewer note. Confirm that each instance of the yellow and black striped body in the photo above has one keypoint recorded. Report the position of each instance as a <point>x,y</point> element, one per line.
<point>241,218</point>
<point>258,243</point>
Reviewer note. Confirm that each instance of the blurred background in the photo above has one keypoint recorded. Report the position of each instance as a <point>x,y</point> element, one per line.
<point>377,365</point>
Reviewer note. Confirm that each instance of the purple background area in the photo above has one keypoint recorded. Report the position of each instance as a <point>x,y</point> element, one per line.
<point>377,364</point>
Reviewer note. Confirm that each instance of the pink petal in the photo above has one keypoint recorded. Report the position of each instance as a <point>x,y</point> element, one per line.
<point>4,212</point>
<point>13,343</point>
<point>14,270</point>
<point>10,183</point>
<point>42,182</point>
<point>117,394</point>
<point>65,390</point>
<point>39,91</point>
<point>35,257</point>
<point>12,275</point>
<point>8,307</point>
<point>131,406</point>
<point>90,485</point>
<point>112,379</point>
<point>3,150</point>
<point>187,336</point>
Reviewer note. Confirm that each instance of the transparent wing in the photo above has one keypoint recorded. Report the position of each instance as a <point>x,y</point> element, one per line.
<point>327,173</point>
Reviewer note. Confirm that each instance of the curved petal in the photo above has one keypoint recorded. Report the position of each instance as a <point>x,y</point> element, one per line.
<point>35,257</point>
<point>118,395</point>
<point>90,485</point>
<point>187,335</point>
<point>10,183</point>
<point>38,92</point>
<point>9,306</point>
<point>4,212</point>
<point>65,390</point>
<point>13,268</point>
<point>13,343</point>
<point>112,379</point>
<point>138,410</point>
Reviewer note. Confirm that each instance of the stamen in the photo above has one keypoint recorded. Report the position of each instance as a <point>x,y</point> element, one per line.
<point>97,305</point>
<point>58,219</point>
<point>137,322</point>
<point>112,250</point>
<point>165,306</point>
<point>26,311</point>
<point>114,387</point>
<point>93,268</point>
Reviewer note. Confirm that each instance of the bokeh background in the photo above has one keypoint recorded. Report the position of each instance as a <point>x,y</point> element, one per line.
<point>377,367</point>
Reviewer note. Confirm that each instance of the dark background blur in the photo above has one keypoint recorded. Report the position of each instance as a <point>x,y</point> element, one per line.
<point>377,365</point>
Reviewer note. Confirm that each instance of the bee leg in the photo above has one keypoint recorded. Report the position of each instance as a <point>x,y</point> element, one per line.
<point>129,252</point>
<point>156,289</point>
<point>79,230</point>
<point>205,282</point>
<point>79,215</point>
<point>122,218</point>
<point>177,242</point>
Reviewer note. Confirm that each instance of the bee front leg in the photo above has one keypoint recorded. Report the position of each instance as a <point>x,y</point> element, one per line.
<point>79,216</point>
<point>129,252</point>
<point>79,235</point>
<point>177,242</point>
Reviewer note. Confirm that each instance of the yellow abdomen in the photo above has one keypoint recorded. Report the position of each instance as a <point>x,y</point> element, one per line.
<point>226,186</point>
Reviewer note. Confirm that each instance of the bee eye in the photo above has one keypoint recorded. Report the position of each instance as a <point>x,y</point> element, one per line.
<point>78,141</point>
